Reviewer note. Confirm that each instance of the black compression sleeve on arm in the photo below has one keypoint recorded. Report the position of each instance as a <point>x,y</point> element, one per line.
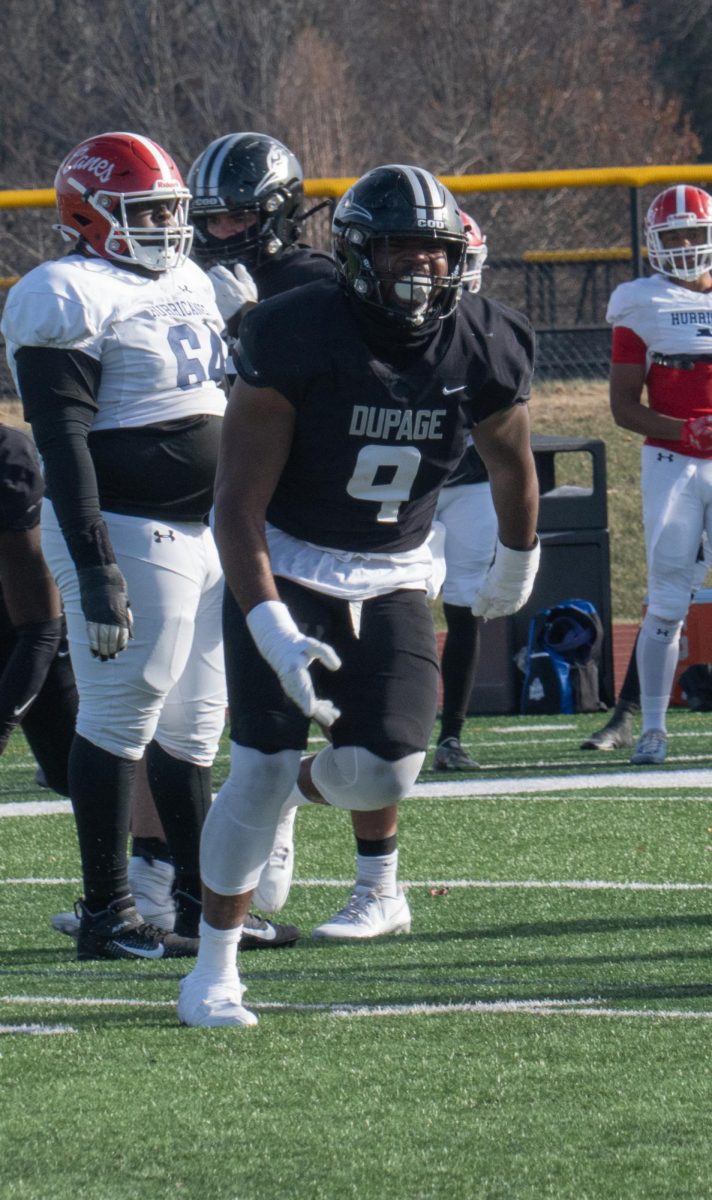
<point>58,390</point>
<point>25,672</point>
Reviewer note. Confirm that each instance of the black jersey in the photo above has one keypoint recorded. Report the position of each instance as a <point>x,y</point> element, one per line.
<point>21,483</point>
<point>470,469</point>
<point>21,491</point>
<point>292,268</point>
<point>374,440</point>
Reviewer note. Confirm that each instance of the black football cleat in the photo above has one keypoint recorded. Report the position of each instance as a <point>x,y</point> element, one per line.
<point>261,934</point>
<point>120,932</point>
<point>615,735</point>
<point>450,756</point>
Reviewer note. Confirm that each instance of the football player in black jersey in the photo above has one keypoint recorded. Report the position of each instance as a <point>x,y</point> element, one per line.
<point>247,214</point>
<point>353,404</point>
<point>37,688</point>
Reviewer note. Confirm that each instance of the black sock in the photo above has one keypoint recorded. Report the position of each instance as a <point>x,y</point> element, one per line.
<point>458,668</point>
<point>100,787</point>
<point>376,849</point>
<point>150,847</point>
<point>629,696</point>
<point>182,794</point>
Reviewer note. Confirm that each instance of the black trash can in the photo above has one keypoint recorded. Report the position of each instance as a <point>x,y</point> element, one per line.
<point>575,563</point>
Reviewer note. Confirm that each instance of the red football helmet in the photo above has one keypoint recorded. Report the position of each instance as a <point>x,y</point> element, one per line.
<point>680,207</point>
<point>475,254</point>
<point>97,185</point>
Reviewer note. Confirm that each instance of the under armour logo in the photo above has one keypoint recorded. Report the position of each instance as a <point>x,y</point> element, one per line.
<point>158,536</point>
<point>662,632</point>
<point>661,456</point>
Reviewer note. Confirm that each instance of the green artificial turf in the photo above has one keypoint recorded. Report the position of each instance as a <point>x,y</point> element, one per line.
<point>543,1032</point>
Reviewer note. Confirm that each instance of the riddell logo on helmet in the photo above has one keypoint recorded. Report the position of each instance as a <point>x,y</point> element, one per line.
<point>101,167</point>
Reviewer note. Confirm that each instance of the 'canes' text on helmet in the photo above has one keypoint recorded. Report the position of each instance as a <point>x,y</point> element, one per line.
<point>248,175</point>
<point>390,212</point>
<point>101,183</point>
<point>684,214</point>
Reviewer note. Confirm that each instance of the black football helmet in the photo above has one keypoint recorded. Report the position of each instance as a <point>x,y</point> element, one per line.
<point>387,206</point>
<point>245,173</point>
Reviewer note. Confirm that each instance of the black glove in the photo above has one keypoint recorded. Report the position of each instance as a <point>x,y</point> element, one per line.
<point>105,605</point>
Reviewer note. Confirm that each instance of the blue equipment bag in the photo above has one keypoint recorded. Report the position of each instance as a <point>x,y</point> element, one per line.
<point>563,654</point>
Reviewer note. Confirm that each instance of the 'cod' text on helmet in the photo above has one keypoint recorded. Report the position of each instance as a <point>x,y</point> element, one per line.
<point>678,232</point>
<point>252,176</point>
<point>100,186</point>
<point>399,245</point>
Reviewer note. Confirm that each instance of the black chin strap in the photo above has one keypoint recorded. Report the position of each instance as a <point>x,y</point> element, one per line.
<point>329,203</point>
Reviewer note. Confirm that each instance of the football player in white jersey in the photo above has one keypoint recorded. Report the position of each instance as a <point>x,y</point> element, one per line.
<point>353,404</point>
<point>662,345</point>
<point>117,355</point>
<point>466,512</point>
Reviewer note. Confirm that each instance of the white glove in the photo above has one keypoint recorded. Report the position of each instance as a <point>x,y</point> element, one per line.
<point>105,605</point>
<point>234,287</point>
<point>289,653</point>
<point>508,583</point>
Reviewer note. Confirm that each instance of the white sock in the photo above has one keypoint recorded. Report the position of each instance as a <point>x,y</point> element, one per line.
<point>378,871</point>
<point>657,661</point>
<point>217,954</point>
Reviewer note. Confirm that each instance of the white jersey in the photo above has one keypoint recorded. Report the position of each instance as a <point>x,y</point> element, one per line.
<point>670,319</point>
<point>157,339</point>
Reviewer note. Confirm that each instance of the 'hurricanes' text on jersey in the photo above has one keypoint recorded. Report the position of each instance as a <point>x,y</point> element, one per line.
<point>669,329</point>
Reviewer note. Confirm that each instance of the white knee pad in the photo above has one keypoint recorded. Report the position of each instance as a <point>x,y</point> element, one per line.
<point>353,778</point>
<point>661,629</point>
<point>239,829</point>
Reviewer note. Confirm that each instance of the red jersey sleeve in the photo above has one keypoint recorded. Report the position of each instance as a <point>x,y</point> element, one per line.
<point>627,347</point>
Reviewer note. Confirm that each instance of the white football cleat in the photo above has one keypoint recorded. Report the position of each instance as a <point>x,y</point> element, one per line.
<point>651,748</point>
<point>276,879</point>
<point>369,913</point>
<point>205,1001</point>
<point>151,882</point>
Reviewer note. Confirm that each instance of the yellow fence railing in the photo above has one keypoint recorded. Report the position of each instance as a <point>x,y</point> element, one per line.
<point>507,181</point>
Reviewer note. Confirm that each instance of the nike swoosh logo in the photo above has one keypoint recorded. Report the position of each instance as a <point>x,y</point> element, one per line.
<point>450,391</point>
<point>265,935</point>
<point>136,952</point>
<point>22,708</point>
<point>62,654</point>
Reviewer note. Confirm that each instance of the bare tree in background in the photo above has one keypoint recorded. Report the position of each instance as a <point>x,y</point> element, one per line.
<point>461,86</point>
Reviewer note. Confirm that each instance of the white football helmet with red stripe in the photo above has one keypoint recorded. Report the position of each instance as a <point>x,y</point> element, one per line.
<point>475,254</point>
<point>100,181</point>
<point>682,207</point>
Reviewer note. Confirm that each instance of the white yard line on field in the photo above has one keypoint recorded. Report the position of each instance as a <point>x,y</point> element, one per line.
<point>515,787</point>
<point>36,1030</point>
<point>541,1008</point>
<point>572,885</point>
